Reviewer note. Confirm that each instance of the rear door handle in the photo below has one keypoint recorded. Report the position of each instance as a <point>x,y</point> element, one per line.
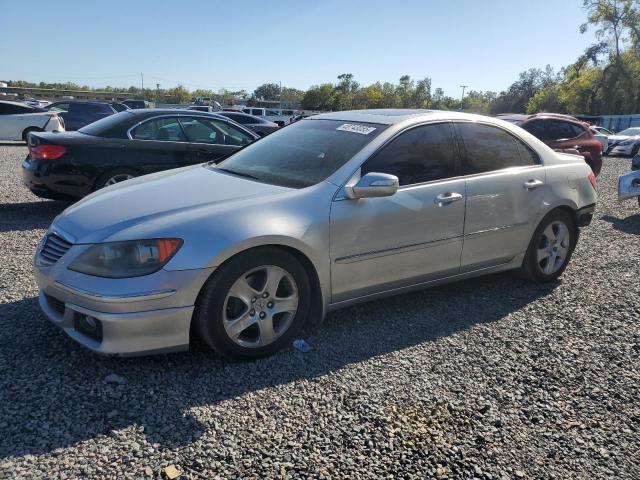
<point>447,198</point>
<point>533,184</point>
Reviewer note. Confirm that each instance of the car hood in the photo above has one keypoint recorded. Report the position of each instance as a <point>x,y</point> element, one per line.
<point>156,200</point>
<point>619,138</point>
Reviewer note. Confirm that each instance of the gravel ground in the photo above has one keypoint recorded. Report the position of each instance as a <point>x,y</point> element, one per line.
<point>491,378</point>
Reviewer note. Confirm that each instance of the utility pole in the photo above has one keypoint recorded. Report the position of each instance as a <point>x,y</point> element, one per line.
<point>157,93</point>
<point>142,84</point>
<point>462,97</point>
<point>280,97</point>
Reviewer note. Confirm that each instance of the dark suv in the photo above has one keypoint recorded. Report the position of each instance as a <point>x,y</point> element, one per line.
<point>77,113</point>
<point>563,133</point>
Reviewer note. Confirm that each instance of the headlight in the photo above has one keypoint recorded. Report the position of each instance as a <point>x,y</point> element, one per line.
<point>126,259</point>
<point>627,142</point>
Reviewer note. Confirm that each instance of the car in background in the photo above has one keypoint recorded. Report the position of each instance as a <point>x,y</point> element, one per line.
<point>201,108</point>
<point>127,145</point>
<point>561,133</point>
<point>260,126</point>
<point>136,104</point>
<point>18,120</point>
<point>601,137</point>
<point>629,184</point>
<point>602,130</point>
<point>626,142</point>
<point>333,210</point>
<point>270,115</point>
<point>78,113</point>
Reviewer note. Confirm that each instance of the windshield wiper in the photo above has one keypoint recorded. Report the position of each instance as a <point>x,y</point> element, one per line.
<point>239,174</point>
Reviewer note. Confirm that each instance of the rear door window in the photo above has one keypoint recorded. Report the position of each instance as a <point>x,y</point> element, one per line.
<point>488,148</point>
<point>422,154</point>
<point>256,111</point>
<point>166,129</point>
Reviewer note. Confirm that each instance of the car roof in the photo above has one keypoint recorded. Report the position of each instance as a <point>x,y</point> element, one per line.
<point>150,112</point>
<point>10,102</point>
<point>392,116</point>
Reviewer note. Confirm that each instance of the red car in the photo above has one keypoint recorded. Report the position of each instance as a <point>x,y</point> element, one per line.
<point>563,133</point>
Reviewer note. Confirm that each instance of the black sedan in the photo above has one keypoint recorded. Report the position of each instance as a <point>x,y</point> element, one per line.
<point>126,145</point>
<point>260,126</point>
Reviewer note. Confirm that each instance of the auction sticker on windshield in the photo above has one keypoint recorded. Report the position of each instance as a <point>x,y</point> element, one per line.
<point>361,129</point>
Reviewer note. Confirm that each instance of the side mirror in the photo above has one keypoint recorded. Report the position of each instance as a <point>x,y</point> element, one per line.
<point>374,185</point>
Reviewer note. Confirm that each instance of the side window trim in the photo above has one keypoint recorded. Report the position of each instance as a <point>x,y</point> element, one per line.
<point>463,151</point>
<point>131,129</point>
<point>227,123</point>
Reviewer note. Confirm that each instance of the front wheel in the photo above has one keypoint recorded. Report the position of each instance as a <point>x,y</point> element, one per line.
<point>254,304</point>
<point>550,248</point>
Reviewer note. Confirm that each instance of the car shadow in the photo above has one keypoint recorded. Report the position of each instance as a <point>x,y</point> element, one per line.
<point>13,144</point>
<point>629,224</point>
<point>54,393</point>
<point>29,215</point>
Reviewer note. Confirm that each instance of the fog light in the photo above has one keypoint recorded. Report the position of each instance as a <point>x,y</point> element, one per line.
<point>88,325</point>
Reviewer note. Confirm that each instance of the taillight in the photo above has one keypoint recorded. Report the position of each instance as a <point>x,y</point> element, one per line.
<point>592,180</point>
<point>47,152</point>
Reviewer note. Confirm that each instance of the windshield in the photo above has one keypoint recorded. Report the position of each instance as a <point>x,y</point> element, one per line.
<point>302,154</point>
<point>630,132</point>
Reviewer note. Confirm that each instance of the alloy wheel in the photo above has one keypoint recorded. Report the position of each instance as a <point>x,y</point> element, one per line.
<point>121,177</point>
<point>553,247</point>
<point>260,306</point>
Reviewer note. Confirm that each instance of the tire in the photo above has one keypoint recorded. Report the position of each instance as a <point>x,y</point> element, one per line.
<point>249,328</point>
<point>27,131</point>
<point>635,151</point>
<point>545,259</point>
<point>111,177</point>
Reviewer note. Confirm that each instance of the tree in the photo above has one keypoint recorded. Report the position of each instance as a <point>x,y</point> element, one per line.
<point>267,91</point>
<point>318,97</point>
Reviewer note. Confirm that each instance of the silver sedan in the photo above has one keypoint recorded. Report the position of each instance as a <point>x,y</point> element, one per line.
<point>335,209</point>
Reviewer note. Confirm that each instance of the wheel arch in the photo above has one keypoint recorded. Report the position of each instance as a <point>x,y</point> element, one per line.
<point>30,128</point>
<point>318,293</point>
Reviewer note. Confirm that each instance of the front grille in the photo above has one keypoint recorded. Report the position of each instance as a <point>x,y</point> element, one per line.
<point>53,249</point>
<point>55,304</point>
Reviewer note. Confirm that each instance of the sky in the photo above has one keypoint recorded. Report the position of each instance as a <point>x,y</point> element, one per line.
<point>243,44</point>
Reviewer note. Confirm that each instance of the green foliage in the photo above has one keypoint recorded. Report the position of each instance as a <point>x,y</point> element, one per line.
<point>267,91</point>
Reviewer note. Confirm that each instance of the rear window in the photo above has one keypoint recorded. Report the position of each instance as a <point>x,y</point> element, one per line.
<point>90,108</point>
<point>110,127</point>
<point>11,109</point>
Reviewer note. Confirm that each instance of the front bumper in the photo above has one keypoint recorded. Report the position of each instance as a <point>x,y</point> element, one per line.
<point>131,316</point>
<point>137,333</point>
<point>622,150</point>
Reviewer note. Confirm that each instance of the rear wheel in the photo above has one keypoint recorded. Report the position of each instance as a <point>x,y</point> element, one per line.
<point>115,176</point>
<point>254,304</point>
<point>550,248</point>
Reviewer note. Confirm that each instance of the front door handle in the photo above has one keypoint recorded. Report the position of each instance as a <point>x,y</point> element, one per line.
<point>447,198</point>
<point>533,184</point>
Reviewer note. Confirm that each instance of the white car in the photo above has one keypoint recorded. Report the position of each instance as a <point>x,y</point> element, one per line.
<point>269,115</point>
<point>602,137</point>
<point>626,142</point>
<point>18,119</point>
